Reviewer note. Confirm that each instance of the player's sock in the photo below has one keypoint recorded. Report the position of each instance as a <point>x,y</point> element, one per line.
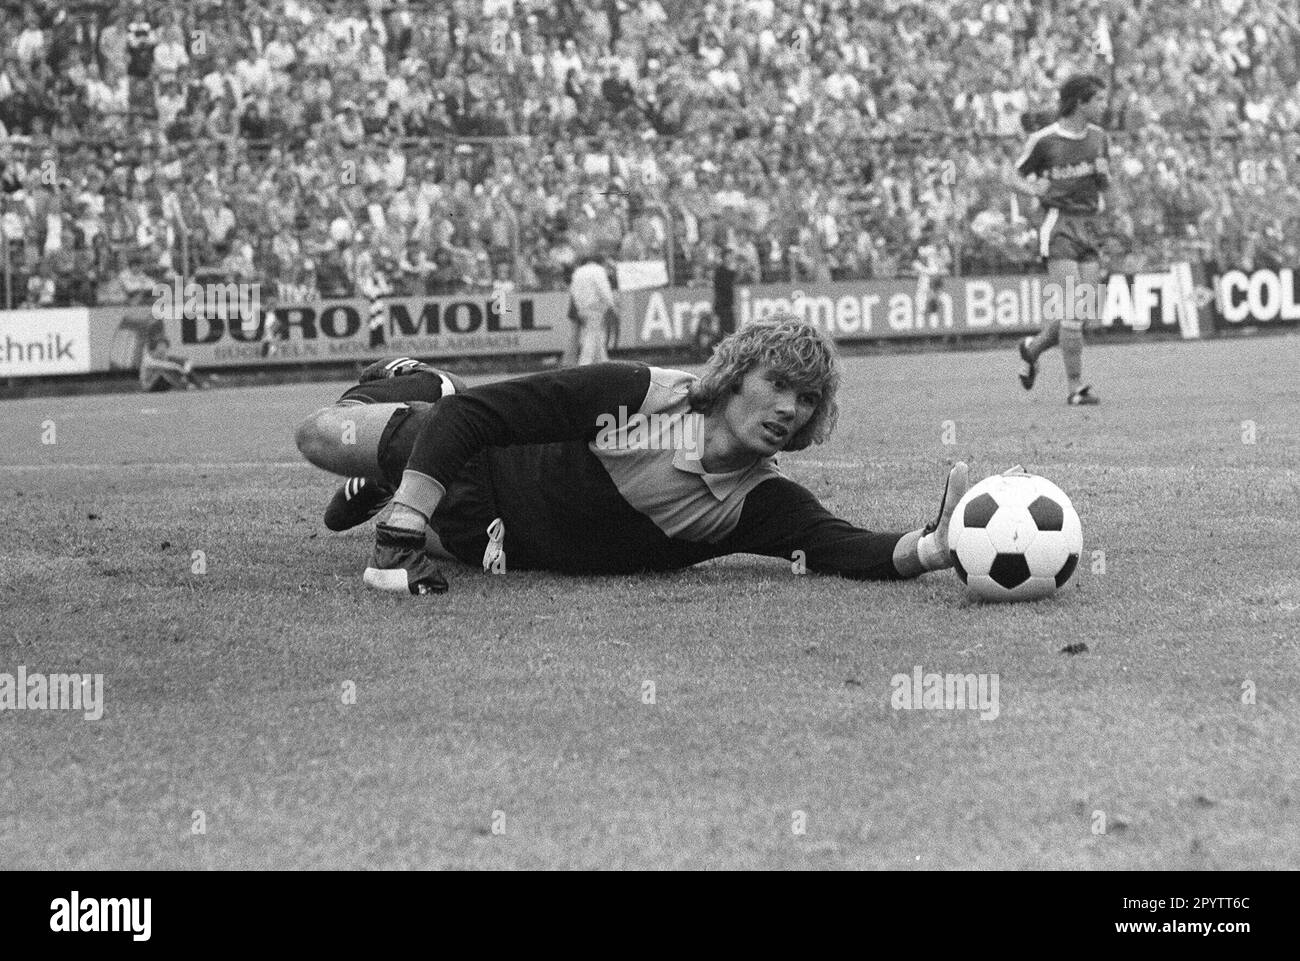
<point>415,501</point>
<point>1044,340</point>
<point>1029,370</point>
<point>1072,352</point>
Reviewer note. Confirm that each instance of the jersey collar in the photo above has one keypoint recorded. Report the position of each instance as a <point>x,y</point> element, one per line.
<point>720,486</point>
<point>1062,132</point>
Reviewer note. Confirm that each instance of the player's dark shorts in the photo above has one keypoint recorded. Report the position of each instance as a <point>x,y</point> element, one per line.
<point>463,515</point>
<point>1064,236</point>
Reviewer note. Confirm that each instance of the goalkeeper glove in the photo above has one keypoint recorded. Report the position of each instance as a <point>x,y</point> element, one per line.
<point>932,548</point>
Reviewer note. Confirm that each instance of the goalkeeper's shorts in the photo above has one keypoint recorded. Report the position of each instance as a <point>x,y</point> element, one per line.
<point>469,506</point>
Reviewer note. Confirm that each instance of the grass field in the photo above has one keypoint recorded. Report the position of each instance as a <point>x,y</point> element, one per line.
<point>517,701</point>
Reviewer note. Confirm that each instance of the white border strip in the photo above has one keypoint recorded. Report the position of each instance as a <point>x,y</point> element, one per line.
<point>142,465</point>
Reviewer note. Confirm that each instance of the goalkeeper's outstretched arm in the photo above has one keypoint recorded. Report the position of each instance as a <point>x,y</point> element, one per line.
<point>781,518</point>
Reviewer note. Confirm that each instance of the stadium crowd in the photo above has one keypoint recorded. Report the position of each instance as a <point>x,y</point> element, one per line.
<point>456,144</point>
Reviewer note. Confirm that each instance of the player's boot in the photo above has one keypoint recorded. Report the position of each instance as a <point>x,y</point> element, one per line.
<point>394,367</point>
<point>403,367</point>
<point>400,564</point>
<point>1083,397</point>
<point>355,503</point>
<point>1030,370</point>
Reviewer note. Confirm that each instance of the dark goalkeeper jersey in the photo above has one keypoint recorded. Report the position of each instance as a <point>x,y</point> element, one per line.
<point>594,470</point>
<point>1076,167</point>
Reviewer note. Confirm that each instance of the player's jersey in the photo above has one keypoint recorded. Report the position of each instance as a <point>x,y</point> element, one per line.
<point>596,470</point>
<point>1076,167</point>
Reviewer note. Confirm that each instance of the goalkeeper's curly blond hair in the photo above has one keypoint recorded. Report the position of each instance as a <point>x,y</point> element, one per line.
<point>794,348</point>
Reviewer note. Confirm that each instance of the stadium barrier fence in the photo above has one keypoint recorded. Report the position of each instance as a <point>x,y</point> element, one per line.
<point>1184,300</point>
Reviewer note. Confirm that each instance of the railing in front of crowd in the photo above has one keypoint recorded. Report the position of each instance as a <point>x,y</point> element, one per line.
<point>452,148</point>
<point>8,269</point>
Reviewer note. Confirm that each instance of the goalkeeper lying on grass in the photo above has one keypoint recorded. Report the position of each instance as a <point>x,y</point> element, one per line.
<point>569,479</point>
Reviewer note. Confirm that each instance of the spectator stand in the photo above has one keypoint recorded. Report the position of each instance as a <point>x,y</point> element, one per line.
<point>818,141</point>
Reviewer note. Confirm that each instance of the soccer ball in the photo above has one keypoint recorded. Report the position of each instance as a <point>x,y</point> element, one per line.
<point>1015,537</point>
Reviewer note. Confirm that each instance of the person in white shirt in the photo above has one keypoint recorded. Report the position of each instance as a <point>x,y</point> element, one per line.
<point>592,308</point>
<point>219,219</point>
<point>350,29</point>
<point>254,75</point>
<point>562,61</point>
<point>842,85</point>
<point>30,45</point>
<point>170,102</point>
<point>280,52</point>
<point>219,84</point>
<point>170,56</point>
<point>317,47</point>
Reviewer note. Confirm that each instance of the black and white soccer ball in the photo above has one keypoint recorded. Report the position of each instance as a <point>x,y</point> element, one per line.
<point>1015,537</point>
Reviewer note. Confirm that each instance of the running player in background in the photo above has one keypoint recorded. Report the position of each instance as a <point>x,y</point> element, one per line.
<point>1065,165</point>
